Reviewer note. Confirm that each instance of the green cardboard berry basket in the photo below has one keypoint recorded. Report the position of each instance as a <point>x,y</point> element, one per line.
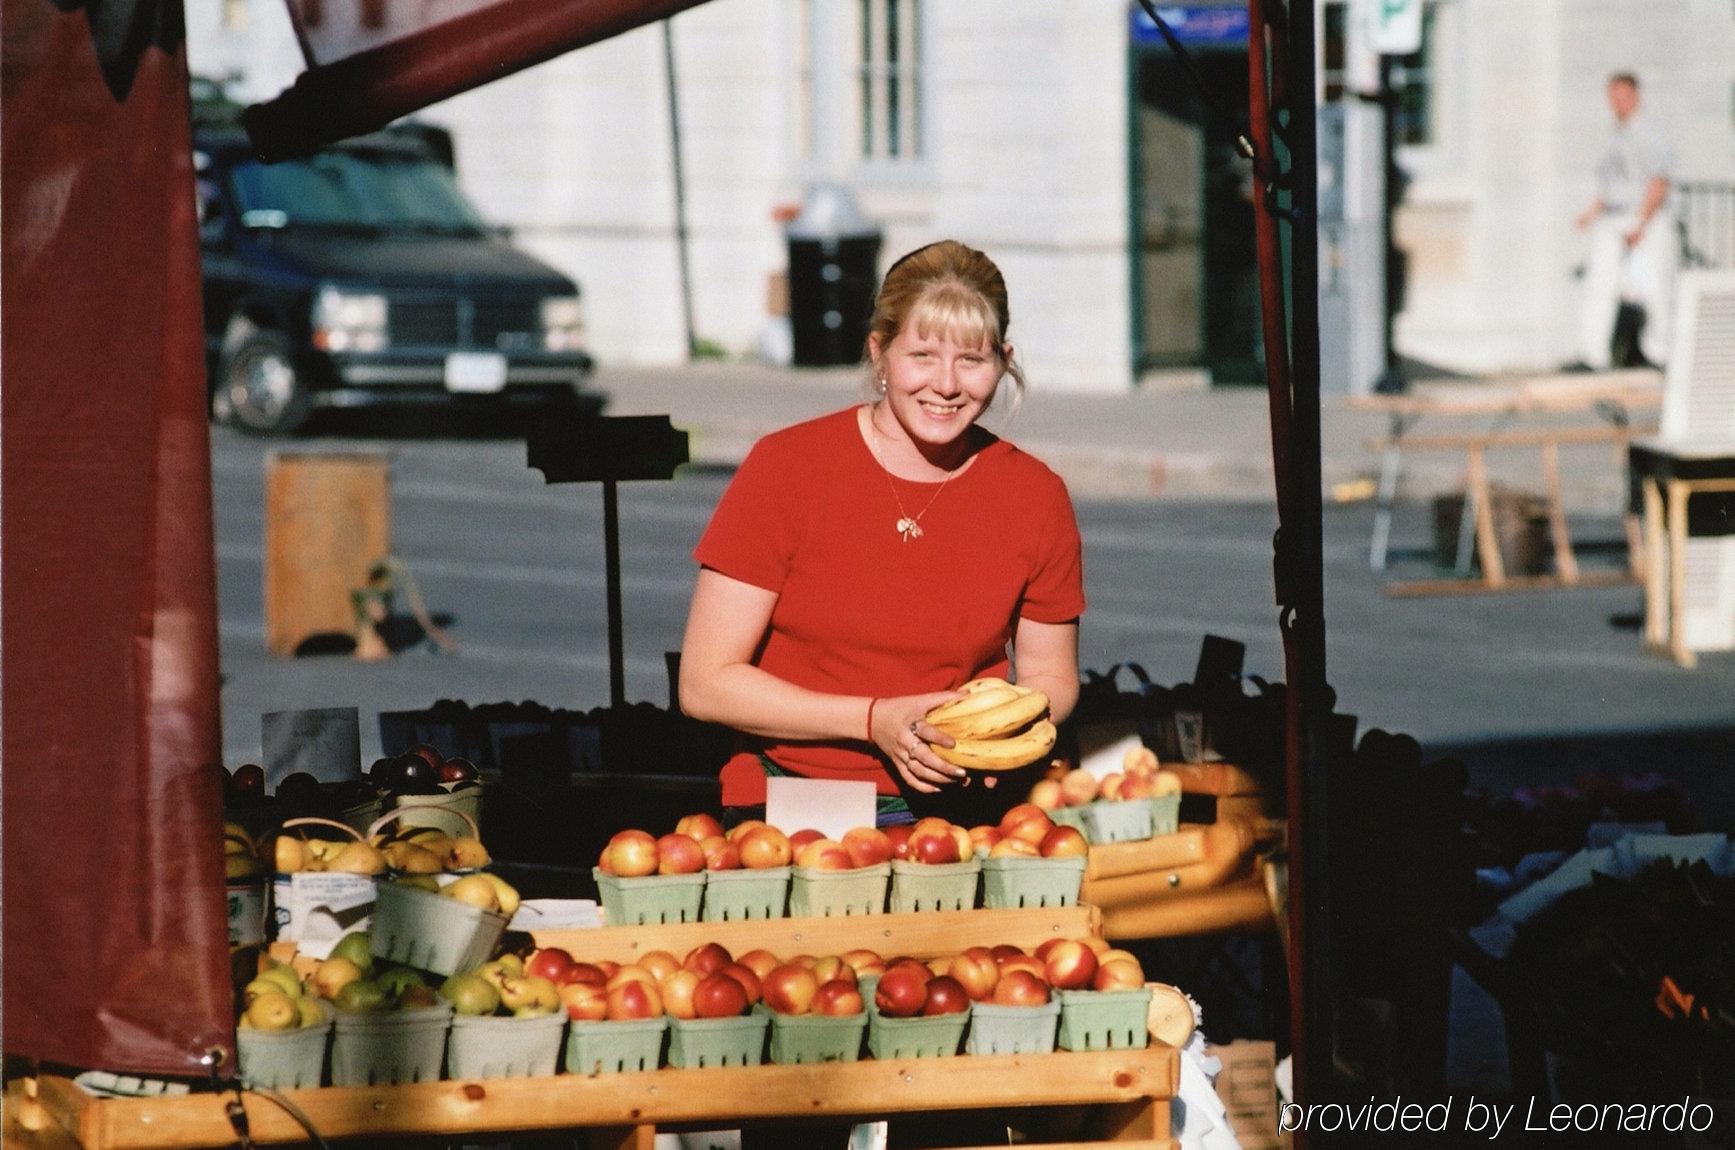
<point>1012,1029</point>
<point>391,1048</point>
<point>613,1047</point>
<point>1012,881</point>
<point>836,893</point>
<point>1104,1019</point>
<point>732,895</point>
<point>924,1036</point>
<point>653,899</point>
<point>934,886</point>
<point>801,1038</point>
<point>1117,821</point>
<point>1165,814</point>
<point>696,1042</point>
<point>284,1059</point>
<point>1069,817</point>
<point>487,1046</point>
<point>431,932</point>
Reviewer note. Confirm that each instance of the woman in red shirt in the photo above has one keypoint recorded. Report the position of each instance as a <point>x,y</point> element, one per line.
<point>862,566</point>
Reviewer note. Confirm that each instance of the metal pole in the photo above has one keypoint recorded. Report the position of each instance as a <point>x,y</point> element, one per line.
<point>611,544</point>
<point>680,189</point>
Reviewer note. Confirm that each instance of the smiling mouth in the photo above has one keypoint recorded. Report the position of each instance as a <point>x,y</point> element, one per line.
<point>941,410</point>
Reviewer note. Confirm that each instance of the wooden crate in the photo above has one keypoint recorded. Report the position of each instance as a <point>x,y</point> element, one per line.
<point>327,520</point>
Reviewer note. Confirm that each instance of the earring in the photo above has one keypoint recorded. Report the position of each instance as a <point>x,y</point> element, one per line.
<point>880,383</point>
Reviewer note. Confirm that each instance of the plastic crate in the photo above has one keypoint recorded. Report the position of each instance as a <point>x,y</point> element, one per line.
<point>1104,1019</point>
<point>695,1042</point>
<point>1012,1029</point>
<point>732,895</point>
<point>1117,822</point>
<point>414,927</point>
<point>615,1047</point>
<point>284,1059</point>
<point>836,893</point>
<point>1014,882</point>
<point>1165,814</point>
<point>485,1046</point>
<point>650,900</point>
<point>387,1049</point>
<point>929,1036</point>
<point>1069,817</point>
<point>799,1038</point>
<point>934,886</point>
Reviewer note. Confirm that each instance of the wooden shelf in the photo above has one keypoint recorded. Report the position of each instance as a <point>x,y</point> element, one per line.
<point>1133,1087</point>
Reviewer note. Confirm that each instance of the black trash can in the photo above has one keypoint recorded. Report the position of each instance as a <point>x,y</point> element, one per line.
<point>834,256</point>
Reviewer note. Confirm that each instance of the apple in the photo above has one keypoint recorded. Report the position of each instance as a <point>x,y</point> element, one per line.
<point>249,780</point>
<point>1064,843</point>
<point>707,958</point>
<point>822,854</point>
<point>902,991</point>
<point>1010,847</point>
<point>1110,791</point>
<point>1019,814</point>
<point>699,827</point>
<point>660,963</point>
<point>864,962</point>
<point>719,996</point>
<point>807,961</point>
<point>838,998</point>
<point>748,978</point>
<point>1140,760</point>
<point>735,833</point>
<point>1099,945</point>
<point>946,995</point>
<point>1046,793</point>
<point>1069,965</point>
<point>1020,988</point>
<point>1137,787</point>
<point>983,838</point>
<point>584,1001</point>
<point>1003,951</point>
<point>939,965</point>
<point>1117,974</point>
<point>764,847</point>
<point>934,849</point>
<point>961,838</point>
<point>830,967</point>
<point>551,962</point>
<point>899,837</point>
<point>679,854</point>
<point>789,989</point>
<point>976,971</point>
<point>458,770</point>
<point>1027,963</point>
<point>630,854</point>
<point>583,972</point>
<point>608,968</point>
<point>804,836</point>
<point>867,846</point>
<point>678,991</point>
<point>1032,828</point>
<point>760,961</point>
<point>915,963</point>
<point>631,972</point>
<point>634,999</point>
<point>1078,787</point>
<point>721,854</point>
<point>430,754</point>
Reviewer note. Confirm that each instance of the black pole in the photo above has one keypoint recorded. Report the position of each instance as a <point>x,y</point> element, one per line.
<point>611,544</point>
<point>1391,381</point>
<point>680,189</point>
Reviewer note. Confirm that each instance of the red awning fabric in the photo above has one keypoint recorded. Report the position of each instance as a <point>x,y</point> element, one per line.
<point>115,922</point>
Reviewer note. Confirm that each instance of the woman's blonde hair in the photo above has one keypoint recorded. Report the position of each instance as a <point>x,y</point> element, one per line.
<point>949,289</point>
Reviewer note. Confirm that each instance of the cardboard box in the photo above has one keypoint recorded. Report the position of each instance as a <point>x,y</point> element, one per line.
<point>1247,1085</point>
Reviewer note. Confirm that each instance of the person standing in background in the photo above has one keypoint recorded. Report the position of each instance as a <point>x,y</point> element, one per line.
<point>1634,249</point>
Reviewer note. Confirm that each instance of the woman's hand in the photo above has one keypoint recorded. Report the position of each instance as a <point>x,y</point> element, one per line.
<point>902,735</point>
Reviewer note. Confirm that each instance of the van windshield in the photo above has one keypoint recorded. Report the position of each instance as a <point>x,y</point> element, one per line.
<point>372,190</point>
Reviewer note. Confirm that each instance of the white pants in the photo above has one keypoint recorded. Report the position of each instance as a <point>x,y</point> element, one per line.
<point>1643,275</point>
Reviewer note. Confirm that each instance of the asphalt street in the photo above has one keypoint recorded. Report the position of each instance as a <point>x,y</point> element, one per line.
<point>1534,685</point>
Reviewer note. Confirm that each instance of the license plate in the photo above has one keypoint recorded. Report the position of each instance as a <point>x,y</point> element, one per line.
<point>475,372</point>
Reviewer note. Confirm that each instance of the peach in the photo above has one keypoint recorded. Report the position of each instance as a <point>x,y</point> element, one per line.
<point>1078,787</point>
<point>764,847</point>
<point>1046,794</point>
<point>1069,965</point>
<point>789,989</point>
<point>867,846</point>
<point>679,854</point>
<point>699,827</point>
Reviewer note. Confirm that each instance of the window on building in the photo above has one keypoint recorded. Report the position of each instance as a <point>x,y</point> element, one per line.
<point>1412,76</point>
<point>891,79</point>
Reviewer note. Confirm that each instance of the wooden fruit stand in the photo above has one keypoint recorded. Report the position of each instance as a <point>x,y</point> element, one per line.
<point>1120,1097</point>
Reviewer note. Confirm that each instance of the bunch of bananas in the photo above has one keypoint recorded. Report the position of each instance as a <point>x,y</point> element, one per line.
<point>996,726</point>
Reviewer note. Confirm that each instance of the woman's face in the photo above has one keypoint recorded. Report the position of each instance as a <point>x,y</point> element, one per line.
<point>936,387</point>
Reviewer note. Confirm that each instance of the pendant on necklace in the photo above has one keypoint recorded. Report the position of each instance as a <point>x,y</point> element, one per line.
<point>909,529</point>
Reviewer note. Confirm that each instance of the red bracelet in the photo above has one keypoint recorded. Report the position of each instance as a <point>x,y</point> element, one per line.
<point>870,721</point>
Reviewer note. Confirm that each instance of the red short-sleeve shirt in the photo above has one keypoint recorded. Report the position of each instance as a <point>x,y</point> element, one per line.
<point>811,516</point>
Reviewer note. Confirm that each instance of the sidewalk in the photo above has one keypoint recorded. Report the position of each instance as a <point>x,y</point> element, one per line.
<point>1160,443</point>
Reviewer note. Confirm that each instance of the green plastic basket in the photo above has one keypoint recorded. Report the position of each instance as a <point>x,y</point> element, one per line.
<point>1165,814</point>
<point>1104,1019</point>
<point>934,886</point>
<point>1012,1029</point>
<point>836,893</point>
<point>1014,882</point>
<point>924,1036</point>
<point>650,900</point>
<point>799,1038</point>
<point>1117,822</point>
<point>484,1046</point>
<point>284,1059</point>
<point>615,1047</point>
<point>696,1042</point>
<point>1069,817</point>
<point>414,927</point>
<point>732,895</point>
<point>387,1049</point>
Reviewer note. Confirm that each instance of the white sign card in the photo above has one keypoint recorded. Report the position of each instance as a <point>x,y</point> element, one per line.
<point>829,806</point>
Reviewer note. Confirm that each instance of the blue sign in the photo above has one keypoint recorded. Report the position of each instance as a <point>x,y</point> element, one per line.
<point>1193,24</point>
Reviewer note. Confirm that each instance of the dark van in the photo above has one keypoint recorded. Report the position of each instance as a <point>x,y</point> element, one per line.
<point>360,277</point>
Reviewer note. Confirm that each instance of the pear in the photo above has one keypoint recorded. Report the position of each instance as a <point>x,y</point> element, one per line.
<point>261,986</point>
<point>271,1012</point>
<point>476,890</point>
<point>285,977</point>
<point>412,859</point>
<point>289,854</point>
<point>240,866</point>
<point>357,858</point>
<point>504,893</point>
<point>466,854</point>
<point>312,1011</point>
<point>469,994</point>
<point>514,964</point>
<point>362,996</point>
<point>357,946</point>
<point>540,994</point>
<point>236,840</point>
<point>496,972</point>
<point>417,996</point>
<point>398,981</point>
<point>420,882</point>
<point>332,975</point>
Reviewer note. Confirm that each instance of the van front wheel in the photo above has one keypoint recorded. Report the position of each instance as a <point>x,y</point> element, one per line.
<point>259,391</point>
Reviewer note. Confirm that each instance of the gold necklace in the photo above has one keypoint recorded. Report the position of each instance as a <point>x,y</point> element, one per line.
<point>909,526</point>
